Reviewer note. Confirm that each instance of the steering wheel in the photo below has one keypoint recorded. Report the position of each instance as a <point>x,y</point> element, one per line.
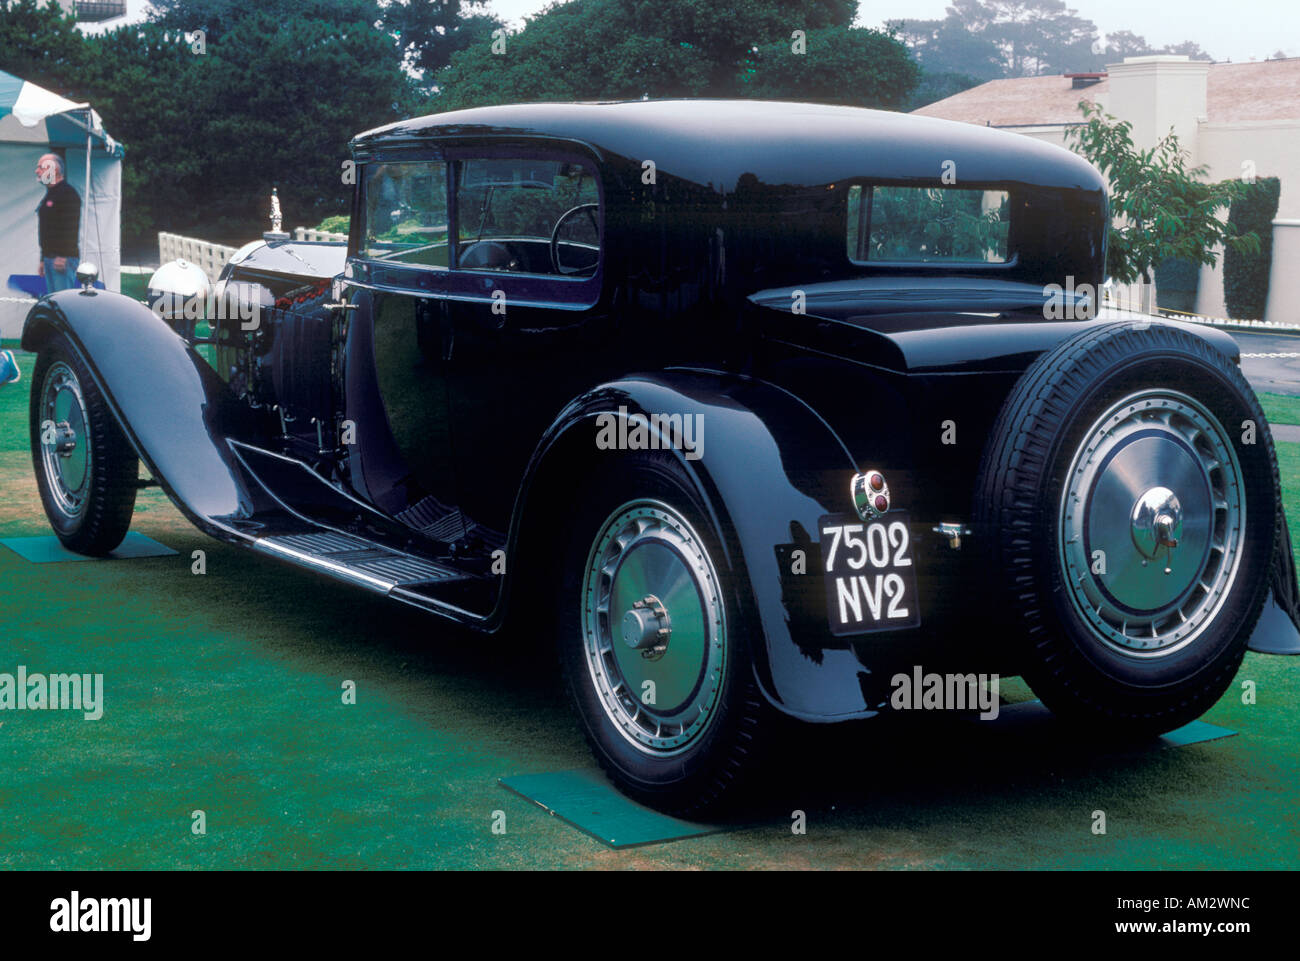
<point>555,237</point>
<point>488,255</point>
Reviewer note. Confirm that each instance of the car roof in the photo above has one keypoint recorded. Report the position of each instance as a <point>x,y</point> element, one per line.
<point>717,142</point>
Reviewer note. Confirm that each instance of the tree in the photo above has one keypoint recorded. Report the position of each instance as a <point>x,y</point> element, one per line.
<point>41,44</point>
<point>934,87</point>
<point>271,99</point>
<point>629,49</point>
<point>863,68</point>
<point>1013,38</point>
<point>1124,43</point>
<point>428,32</point>
<point>949,47</point>
<point>142,80</point>
<point>218,17</point>
<point>291,127</point>
<point>1160,208</point>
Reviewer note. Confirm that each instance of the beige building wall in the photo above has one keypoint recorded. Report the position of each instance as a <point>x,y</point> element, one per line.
<point>1268,149</point>
<point>1159,93</point>
<point>1284,278</point>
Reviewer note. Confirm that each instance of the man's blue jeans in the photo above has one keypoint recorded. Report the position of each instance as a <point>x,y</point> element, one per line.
<point>64,279</point>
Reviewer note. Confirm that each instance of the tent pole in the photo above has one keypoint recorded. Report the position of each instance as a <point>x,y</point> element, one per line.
<point>85,199</point>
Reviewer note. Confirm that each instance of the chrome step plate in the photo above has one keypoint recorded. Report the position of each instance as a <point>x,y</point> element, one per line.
<point>354,559</point>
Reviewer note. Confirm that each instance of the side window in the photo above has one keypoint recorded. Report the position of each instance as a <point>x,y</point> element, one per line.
<point>527,216</point>
<point>406,213</point>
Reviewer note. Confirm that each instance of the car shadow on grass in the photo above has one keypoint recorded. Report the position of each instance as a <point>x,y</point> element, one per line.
<point>883,771</point>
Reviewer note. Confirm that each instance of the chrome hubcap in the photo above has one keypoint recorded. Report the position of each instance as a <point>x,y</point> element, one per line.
<point>647,627</point>
<point>654,628</point>
<point>1157,522</point>
<point>1152,522</point>
<point>65,443</point>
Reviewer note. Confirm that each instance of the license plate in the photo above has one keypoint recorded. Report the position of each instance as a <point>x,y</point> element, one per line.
<point>869,574</point>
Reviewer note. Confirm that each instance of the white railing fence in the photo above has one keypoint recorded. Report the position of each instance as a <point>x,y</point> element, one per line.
<point>211,258</point>
<point>310,233</point>
<point>1139,298</point>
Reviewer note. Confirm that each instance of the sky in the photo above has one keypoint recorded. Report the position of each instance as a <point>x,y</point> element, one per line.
<point>1236,31</point>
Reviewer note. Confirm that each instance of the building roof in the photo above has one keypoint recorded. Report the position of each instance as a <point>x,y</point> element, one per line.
<point>1235,93</point>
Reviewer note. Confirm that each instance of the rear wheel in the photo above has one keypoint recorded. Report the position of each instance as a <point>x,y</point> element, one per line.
<point>1129,499</point>
<point>85,468</point>
<point>652,641</point>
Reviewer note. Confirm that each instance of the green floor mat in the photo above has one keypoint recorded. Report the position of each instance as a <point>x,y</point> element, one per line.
<point>48,550</point>
<point>591,804</point>
<point>1032,719</point>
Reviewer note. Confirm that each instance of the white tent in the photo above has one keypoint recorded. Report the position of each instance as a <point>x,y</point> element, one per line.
<point>32,121</point>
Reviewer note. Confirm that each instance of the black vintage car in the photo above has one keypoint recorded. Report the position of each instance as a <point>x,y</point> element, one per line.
<point>750,405</point>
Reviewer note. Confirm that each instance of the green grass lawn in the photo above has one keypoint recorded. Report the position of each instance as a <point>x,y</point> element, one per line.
<point>1281,408</point>
<point>222,694</point>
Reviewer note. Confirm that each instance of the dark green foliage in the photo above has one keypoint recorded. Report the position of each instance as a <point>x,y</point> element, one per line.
<point>860,68</point>
<point>1160,207</point>
<point>272,100</point>
<point>629,49</point>
<point>1177,280</point>
<point>40,44</point>
<point>1245,273</point>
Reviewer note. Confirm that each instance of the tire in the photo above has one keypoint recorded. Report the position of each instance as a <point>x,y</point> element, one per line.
<point>1115,627</point>
<point>689,752</point>
<point>85,468</point>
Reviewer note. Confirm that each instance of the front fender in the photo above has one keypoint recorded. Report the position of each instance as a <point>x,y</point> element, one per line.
<point>768,467</point>
<point>170,404</point>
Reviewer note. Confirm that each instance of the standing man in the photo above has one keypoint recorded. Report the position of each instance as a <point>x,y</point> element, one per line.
<point>59,217</point>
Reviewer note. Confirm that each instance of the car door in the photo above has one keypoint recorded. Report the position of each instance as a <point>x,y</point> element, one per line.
<point>527,331</point>
<point>401,454</point>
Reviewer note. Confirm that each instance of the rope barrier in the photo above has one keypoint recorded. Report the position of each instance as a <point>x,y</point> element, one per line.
<point>1216,321</point>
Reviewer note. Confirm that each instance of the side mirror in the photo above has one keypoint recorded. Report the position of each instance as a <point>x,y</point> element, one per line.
<point>87,274</point>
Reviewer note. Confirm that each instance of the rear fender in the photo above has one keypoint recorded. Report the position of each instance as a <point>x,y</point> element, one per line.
<point>767,468</point>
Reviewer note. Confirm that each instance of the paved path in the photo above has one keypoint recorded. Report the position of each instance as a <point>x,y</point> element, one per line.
<point>1271,362</point>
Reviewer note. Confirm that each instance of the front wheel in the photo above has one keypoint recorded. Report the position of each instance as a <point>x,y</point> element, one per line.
<point>652,641</point>
<point>1129,503</point>
<point>86,469</point>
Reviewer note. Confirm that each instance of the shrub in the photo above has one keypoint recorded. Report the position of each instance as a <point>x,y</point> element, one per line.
<point>335,225</point>
<point>1177,279</point>
<point>1245,274</point>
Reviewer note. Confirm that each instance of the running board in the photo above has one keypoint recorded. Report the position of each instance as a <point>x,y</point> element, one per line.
<point>356,561</point>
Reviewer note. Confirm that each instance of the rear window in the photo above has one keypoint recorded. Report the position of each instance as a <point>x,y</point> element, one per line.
<point>921,225</point>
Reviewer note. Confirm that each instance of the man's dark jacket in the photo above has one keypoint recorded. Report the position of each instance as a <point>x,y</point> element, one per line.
<point>59,216</point>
